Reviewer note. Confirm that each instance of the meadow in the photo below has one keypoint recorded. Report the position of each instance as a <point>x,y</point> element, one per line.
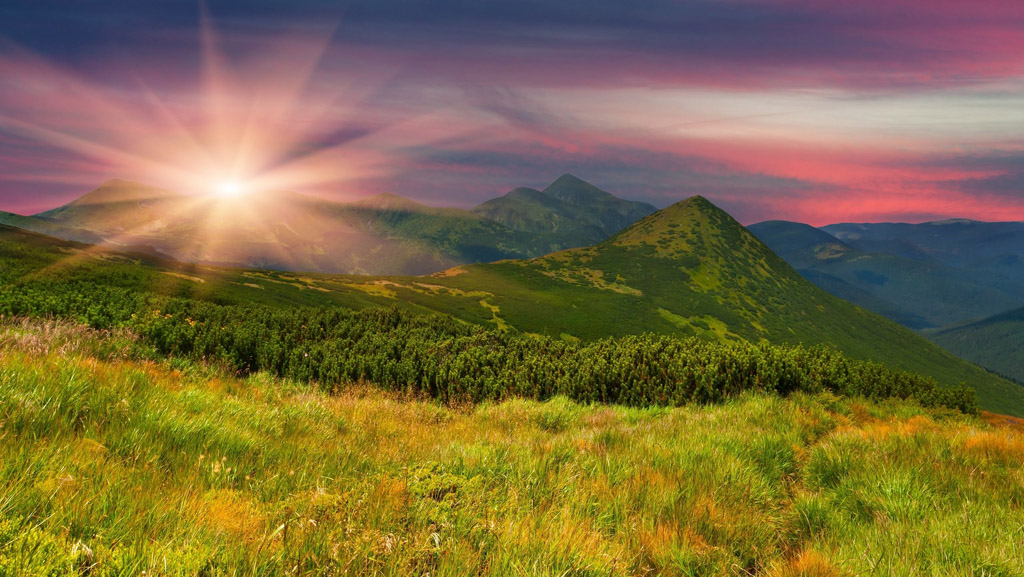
<point>116,460</point>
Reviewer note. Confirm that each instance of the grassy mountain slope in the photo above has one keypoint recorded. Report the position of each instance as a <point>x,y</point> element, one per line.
<point>689,270</point>
<point>119,465</point>
<point>996,343</point>
<point>917,292</point>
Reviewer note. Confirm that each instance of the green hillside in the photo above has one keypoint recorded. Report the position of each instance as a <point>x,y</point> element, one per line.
<point>688,270</point>
<point>996,343</point>
<point>691,269</point>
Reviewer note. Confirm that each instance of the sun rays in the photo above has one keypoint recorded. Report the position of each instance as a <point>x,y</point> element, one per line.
<point>272,111</point>
<point>263,113</point>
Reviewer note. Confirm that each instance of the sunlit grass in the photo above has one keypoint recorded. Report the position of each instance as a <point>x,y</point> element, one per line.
<point>120,464</point>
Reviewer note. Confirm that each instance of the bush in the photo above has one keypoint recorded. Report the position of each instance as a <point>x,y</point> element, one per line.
<point>440,357</point>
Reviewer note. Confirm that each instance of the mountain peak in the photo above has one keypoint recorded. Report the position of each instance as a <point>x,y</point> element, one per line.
<point>575,190</point>
<point>674,222</point>
<point>568,178</point>
<point>695,230</point>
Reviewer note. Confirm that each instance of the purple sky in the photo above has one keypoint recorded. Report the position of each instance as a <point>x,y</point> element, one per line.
<point>802,110</point>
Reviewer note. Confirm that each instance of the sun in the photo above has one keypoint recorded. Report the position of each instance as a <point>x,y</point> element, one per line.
<point>230,189</point>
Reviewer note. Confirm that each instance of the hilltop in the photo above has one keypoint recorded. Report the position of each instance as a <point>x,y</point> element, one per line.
<point>691,269</point>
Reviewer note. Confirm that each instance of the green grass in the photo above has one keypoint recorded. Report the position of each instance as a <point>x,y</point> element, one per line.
<point>121,462</point>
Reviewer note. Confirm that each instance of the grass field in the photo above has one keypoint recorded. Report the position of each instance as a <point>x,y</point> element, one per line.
<point>114,462</point>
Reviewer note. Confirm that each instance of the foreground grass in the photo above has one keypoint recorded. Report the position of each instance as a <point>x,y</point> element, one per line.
<point>114,465</point>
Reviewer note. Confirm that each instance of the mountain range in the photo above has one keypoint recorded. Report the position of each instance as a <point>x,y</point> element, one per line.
<point>382,234</point>
<point>922,280</point>
<point>960,282</point>
<point>687,270</point>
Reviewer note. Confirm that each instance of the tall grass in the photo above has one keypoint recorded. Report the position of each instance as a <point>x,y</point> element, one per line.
<point>112,464</point>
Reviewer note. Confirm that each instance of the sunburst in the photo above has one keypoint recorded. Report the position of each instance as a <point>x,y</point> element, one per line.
<point>244,128</point>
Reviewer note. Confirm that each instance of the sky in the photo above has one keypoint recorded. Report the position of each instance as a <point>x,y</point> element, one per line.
<point>816,111</point>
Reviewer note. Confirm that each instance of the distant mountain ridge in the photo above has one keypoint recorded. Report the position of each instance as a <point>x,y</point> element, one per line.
<point>381,234</point>
<point>941,277</point>
<point>567,209</point>
<point>962,243</point>
<point>902,283</point>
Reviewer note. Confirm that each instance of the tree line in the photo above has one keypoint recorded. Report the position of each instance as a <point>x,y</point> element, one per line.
<point>447,359</point>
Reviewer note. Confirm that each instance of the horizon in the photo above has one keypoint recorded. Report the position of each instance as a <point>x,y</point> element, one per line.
<point>234,196</point>
<point>896,111</point>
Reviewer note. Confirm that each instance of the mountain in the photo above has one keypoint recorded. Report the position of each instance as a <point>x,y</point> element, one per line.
<point>687,270</point>
<point>381,234</point>
<point>904,285</point>
<point>289,231</point>
<point>574,212</point>
<point>978,247</point>
<point>996,343</point>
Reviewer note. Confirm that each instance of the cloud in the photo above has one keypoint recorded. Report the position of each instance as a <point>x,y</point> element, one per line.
<point>737,43</point>
<point>798,109</point>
